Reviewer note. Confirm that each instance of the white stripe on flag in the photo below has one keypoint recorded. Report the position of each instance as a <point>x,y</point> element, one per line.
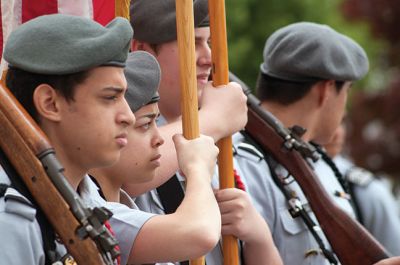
<point>11,15</point>
<point>83,8</point>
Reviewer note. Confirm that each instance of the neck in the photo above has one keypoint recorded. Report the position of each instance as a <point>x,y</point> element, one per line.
<point>109,186</point>
<point>294,114</point>
<point>169,116</point>
<point>73,171</point>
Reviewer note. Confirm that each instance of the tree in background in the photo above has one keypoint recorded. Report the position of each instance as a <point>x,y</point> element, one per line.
<point>374,124</point>
<point>374,139</point>
<point>250,22</point>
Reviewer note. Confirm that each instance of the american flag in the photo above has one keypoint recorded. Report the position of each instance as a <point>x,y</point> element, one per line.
<point>15,12</point>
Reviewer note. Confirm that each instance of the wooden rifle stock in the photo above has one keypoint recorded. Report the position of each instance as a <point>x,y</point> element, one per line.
<point>25,145</point>
<point>220,76</point>
<point>352,244</point>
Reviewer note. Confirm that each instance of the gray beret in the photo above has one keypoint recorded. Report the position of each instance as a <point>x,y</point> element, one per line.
<point>154,21</point>
<point>143,75</point>
<point>307,51</point>
<point>64,44</point>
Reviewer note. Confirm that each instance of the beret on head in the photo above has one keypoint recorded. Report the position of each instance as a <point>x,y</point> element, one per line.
<point>154,21</point>
<point>307,51</point>
<point>64,44</point>
<point>143,75</point>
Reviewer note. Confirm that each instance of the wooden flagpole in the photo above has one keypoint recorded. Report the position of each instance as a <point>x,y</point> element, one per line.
<point>188,79</point>
<point>220,74</point>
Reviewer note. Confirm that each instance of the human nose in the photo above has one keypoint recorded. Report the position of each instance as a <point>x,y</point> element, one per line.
<point>158,140</point>
<point>204,55</point>
<point>126,115</point>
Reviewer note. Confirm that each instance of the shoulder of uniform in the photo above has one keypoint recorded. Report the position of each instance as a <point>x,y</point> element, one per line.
<point>248,151</point>
<point>359,176</point>
<point>16,203</point>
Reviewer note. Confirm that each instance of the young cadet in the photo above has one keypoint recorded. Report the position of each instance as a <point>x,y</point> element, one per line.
<point>304,80</point>
<point>164,237</point>
<point>239,217</point>
<point>76,94</point>
<point>375,205</point>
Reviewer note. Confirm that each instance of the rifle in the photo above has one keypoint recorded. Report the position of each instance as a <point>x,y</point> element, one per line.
<point>352,244</point>
<point>220,76</point>
<point>81,229</point>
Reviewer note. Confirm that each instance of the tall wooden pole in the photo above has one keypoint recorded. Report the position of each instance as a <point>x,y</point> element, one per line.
<point>220,74</point>
<point>188,76</point>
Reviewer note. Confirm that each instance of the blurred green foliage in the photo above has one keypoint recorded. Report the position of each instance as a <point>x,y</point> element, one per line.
<point>250,22</point>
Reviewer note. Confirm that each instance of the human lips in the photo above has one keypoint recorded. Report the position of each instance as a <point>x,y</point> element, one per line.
<point>203,78</point>
<point>156,160</point>
<point>122,139</point>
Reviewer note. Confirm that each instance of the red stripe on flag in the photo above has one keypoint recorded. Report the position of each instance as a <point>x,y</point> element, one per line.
<point>103,11</point>
<point>32,9</point>
<point>1,34</point>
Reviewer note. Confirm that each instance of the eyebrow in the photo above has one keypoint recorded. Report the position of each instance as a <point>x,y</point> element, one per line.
<point>150,115</point>
<point>114,89</point>
<point>200,38</point>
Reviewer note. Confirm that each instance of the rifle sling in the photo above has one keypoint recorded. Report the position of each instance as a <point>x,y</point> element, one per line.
<point>47,231</point>
<point>347,186</point>
<point>171,195</point>
<point>301,212</point>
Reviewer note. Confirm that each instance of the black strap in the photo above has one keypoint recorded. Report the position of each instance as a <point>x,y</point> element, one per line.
<point>100,191</point>
<point>346,185</point>
<point>171,196</point>
<point>301,212</point>
<point>46,229</point>
<point>3,188</point>
<point>288,195</point>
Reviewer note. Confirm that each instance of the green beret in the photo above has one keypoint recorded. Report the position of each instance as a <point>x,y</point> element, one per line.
<point>154,21</point>
<point>64,44</point>
<point>143,75</point>
<point>307,51</point>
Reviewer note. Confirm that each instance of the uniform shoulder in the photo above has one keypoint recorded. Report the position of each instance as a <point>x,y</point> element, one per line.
<point>359,176</point>
<point>242,147</point>
<point>14,203</point>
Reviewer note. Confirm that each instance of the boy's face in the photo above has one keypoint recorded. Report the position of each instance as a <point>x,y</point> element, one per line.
<point>168,57</point>
<point>142,156</point>
<point>333,113</point>
<point>93,127</point>
<point>335,146</point>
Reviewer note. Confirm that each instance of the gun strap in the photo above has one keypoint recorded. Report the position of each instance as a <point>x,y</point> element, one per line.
<point>46,229</point>
<point>287,193</point>
<point>346,185</point>
<point>171,196</point>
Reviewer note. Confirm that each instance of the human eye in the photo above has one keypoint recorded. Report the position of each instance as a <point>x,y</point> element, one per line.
<point>111,98</point>
<point>146,126</point>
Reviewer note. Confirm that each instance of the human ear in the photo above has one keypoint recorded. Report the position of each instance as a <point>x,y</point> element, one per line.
<point>324,91</point>
<point>143,46</point>
<point>46,101</point>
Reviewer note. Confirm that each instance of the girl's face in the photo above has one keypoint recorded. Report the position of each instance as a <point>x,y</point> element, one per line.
<point>144,140</point>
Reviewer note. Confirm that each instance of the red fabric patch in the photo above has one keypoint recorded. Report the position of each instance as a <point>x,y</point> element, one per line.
<point>103,11</point>
<point>108,226</point>
<point>32,9</point>
<point>238,181</point>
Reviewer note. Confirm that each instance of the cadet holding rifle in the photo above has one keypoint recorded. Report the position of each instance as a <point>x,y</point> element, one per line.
<point>304,80</point>
<point>70,79</point>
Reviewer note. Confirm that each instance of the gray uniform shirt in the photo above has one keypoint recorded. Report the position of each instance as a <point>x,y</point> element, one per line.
<point>292,238</point>
<point>377,205</point>
<point>150,202</point>
<point>20,229</point>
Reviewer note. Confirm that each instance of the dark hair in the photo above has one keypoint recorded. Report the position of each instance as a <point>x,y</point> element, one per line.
<point>285,92</point>
<point>22,84</point>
